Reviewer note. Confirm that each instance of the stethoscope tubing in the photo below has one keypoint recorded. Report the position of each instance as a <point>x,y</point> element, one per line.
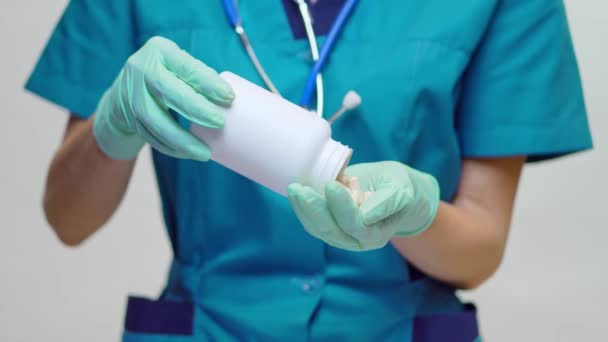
<point>232,13</point>
<point>234,17</point>
<point>326,50</point>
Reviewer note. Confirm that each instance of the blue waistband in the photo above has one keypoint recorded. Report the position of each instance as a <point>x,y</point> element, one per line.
<point>173,318</point>
<point>453,327</point>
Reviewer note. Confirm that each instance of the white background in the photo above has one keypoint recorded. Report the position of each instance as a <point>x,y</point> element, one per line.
<point>552,285</point>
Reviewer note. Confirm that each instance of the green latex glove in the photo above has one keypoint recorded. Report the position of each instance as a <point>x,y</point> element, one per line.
<point>403,202</point>
<point>135,109</point>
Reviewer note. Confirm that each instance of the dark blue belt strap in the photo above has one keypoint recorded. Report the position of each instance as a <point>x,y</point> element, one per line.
<point>159,317</point>
<point>449,327</point>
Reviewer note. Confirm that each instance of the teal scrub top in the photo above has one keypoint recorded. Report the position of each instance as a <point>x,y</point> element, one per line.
<point>440,80</point>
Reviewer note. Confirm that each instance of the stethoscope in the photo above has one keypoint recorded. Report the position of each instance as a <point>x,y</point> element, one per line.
<point>315,78</point>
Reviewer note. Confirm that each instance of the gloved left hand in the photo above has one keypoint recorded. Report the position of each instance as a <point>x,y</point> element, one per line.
<point>403,202</point>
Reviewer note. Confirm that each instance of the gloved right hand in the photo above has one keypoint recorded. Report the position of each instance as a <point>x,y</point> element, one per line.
<point>135,109</point>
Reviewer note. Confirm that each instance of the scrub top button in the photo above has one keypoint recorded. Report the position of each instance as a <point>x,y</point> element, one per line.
<point>306,287</point>
<point>309,285</point>
<point>313,284</point>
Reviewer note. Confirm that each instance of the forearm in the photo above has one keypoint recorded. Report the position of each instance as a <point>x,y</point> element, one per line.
<point>465,244</point>
<point>462,246</point>
<point>84,187</point>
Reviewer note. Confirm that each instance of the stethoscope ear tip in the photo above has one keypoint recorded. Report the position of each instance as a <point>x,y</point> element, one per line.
<point>351,100</point>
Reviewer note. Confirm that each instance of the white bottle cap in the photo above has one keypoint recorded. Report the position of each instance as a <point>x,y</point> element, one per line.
<point>332,160</point>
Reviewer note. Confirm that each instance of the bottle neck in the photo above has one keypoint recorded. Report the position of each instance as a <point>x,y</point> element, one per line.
<point>331,162</point>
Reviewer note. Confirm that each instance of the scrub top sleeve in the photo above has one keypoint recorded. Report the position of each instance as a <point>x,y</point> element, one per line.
<point>522,92</point>
<point>85,52</point>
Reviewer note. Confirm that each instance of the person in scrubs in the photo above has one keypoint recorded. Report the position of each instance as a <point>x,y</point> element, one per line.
<point>457,96</point>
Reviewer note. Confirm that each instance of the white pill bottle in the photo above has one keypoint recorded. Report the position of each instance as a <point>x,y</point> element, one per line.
<point>273,141</point>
